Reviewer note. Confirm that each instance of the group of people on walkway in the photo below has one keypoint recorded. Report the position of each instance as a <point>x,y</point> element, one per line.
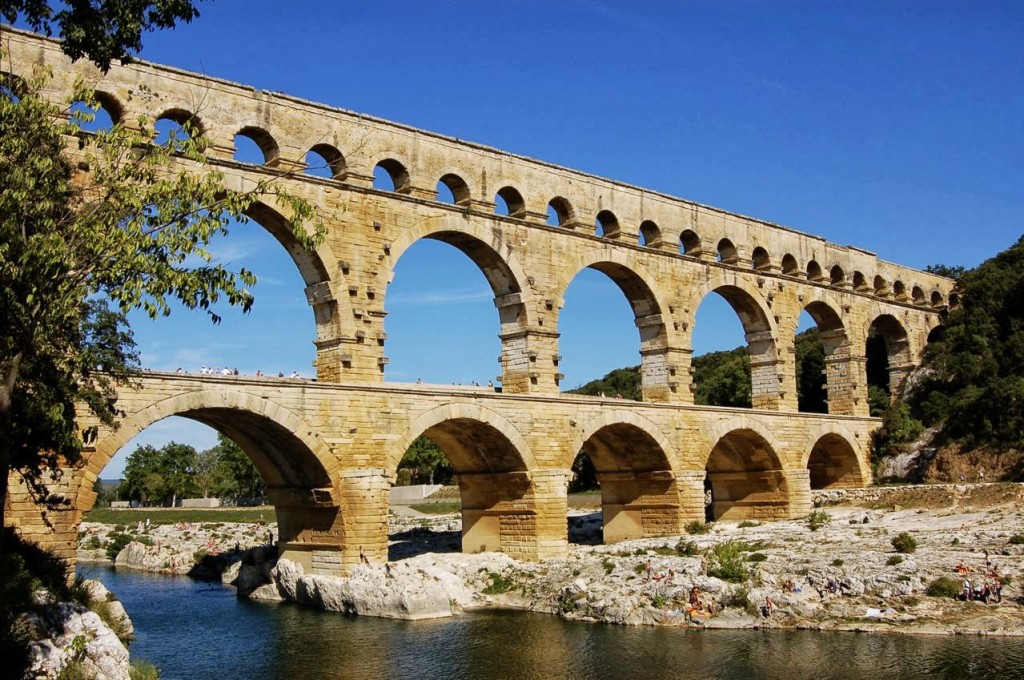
<point>987,587</point>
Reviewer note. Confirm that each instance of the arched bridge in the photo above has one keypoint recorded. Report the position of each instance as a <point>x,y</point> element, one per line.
<point>329,449</point>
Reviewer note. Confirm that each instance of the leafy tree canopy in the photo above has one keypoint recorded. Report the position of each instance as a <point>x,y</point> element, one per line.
<point>973,378</point>
<point>102,30</point>
<point>621,382</point>
<point>124,224</point>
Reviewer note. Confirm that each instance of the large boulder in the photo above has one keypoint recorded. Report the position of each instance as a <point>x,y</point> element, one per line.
<point>370,592</point>
<point>286,575</point>
<point>73,633</point>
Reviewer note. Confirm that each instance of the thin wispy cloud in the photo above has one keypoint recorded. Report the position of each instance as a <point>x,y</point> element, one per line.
<point>439,297</point>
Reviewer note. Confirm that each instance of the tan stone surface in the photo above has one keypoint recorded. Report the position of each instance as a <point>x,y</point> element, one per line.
<point>329,449</point>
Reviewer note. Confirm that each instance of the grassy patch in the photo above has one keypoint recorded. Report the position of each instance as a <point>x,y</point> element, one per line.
<point>696,528</point>
<point>499,584</point>
<point>1016,539</point>
<point>818,519</point>
<point>727,562</point>
<point>143,670</point>
<point>894,560</point>
<point>746,524</point>
<point>437,508</point>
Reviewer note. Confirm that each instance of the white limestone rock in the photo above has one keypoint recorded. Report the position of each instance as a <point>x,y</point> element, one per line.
<point>75,632</point>
<point>286,575</point>
<point>267,592</point>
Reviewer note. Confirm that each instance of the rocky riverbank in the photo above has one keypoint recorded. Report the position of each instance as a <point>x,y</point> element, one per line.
<point>837,571</point>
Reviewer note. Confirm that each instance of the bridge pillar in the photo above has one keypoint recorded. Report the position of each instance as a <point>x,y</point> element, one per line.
<point>691,496</point>
<point>798,484</point>
<point>48,517</point>
<point>550,488</point>
<point>767,373</point>
<point>666,375</point>
<point>499,514</point>
<point>640,504</point>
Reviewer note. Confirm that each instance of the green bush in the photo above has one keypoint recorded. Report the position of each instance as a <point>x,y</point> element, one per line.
<point>499,584</point>
<point>756,557</point>
<point>740,599</point>
<point>943,587</point>
<point>608,565</point>
<point>837,562</point>
<point>894,560</point>
<point>818,519</point>
<point>726,561</point>
<point>116,544</point>
<point>696,528</point>
<point>687,548</point>
<point>1017,539</point>
<point>746,524</point>
<point>904,543</point>
<point>143,670</point>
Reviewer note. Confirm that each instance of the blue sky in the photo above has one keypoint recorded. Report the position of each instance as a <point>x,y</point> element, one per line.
<point>892,126</point>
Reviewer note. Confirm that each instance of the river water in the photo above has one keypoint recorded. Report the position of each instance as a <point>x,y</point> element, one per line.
<point>191,629</point>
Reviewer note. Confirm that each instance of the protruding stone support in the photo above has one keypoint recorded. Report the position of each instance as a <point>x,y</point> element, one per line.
<point>639,504</point>
<point>499,514</point>
<point>666,375</point>
<point>529,361</point>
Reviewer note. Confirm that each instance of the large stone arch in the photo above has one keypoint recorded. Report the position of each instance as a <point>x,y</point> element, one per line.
<point>760,330</point>
<point>620,417</point>
<point>493,465</point>
<point>506,277</point>
<point>746,477</point>
<point>658,341</point>
<point>640,494</point>
<point>468,413</point>
<point>330,310</point>
<point>899,354</point>
<point>260,426</point>
<point>835,461</point>
<point>846,394</point>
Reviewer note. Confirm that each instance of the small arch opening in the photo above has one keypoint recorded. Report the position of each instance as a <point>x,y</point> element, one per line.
<point>917,295</point>
<point>881,286</point>
<point>789,265</point>
<point>390,175</point>
<point>452,189</point>
<point>899,290</point>
<point>650,234</point>
<point>760,259</point>
<point>560,212</point>
<point>860,282</point>
<point>814,271</point>
<point>689,243</point>
<point>255,145</point>
<point>323,160</point>
<point>509,202</point>
<point>954,300</point>
<point>606,224</point>
<point>836,276</point>
<point>174,125</point>
<point>937,300</point>
<point>727,253</point>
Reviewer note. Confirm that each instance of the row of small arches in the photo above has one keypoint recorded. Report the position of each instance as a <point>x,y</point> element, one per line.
<point>256,145</point>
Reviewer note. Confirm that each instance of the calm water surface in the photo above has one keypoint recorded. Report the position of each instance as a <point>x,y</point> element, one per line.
<point>201,630</point>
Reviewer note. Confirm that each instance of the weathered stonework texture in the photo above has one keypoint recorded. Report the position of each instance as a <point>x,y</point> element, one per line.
<point>329,449</point>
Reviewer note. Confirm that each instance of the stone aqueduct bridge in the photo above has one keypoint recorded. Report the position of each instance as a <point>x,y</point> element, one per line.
<point>329,449</point>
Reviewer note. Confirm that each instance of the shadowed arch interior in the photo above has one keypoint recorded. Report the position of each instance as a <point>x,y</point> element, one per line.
<point>493,481</point>
<point>745,478</point>
<point>836,347</point>
<point>833,464</point>
<point>760,344</point>
<point>887,369</point>
<point>634,474</point>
